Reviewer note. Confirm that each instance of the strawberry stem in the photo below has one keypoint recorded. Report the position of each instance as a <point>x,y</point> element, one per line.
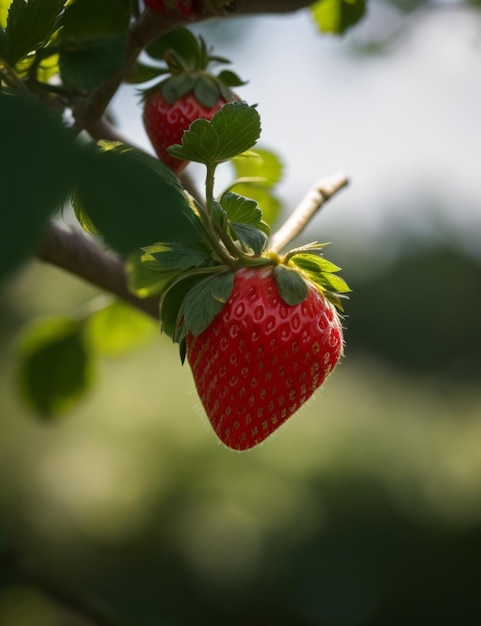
<point>305,211</point>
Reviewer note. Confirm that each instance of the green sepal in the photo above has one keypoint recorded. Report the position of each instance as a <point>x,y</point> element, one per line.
<point>180,39</point>
<point>177,87</point>
<point>232,130</point>
<point>321,272</point>
<point>204,302</point>
<point>207,91</point>
<point>291,285</point>
<point>231,79</point>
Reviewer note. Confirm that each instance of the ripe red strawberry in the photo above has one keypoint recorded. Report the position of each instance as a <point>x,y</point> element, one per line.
<point>261,359</point>
<point>259,329</point>
<point>165,123</point>
<point>189,92</point>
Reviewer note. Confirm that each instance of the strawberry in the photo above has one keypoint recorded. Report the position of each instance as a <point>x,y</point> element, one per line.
<point>261,359</point>
<point>188,92</point>
<point>259,329</point>
<point>165,122</point>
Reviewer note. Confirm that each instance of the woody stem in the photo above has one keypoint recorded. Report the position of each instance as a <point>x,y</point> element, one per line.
<point>306,209</point>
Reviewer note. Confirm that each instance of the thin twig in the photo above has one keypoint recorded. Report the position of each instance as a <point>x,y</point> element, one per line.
<point>305,211</point>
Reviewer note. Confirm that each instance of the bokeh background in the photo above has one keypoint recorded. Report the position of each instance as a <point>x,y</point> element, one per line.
<point>365,509</point>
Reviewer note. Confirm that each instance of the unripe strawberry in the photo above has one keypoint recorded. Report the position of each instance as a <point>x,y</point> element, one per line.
<point>261,359</point>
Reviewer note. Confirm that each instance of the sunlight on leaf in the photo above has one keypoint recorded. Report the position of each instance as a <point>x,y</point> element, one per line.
<point>118,328</point>
<point>337,16</point>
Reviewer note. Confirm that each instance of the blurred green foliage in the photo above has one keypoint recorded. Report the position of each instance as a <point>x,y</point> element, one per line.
<point>364,510</point>
<point>420,313</point>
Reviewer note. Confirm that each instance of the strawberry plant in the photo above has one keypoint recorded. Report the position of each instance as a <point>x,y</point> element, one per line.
<point>258,324</point>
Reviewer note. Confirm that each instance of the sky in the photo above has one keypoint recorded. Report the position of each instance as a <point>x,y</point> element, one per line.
<point>403,124</point>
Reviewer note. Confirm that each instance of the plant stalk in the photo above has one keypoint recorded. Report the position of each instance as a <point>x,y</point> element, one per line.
<point>306,209</point>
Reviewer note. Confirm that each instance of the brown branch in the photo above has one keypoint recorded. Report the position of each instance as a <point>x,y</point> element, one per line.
<point>73,252</point>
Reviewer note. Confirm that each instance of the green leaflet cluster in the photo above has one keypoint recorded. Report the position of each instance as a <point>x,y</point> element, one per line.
<point>195,278</point>
<point>187,59</point>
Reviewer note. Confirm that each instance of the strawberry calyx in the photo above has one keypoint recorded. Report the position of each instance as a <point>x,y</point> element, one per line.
<point>186,60</point>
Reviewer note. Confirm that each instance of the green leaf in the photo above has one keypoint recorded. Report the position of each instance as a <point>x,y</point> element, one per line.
<point>268,203</point>
<point>84,19</point>
<point>314,263</point>
<point>292,287</point>
<point>206,300</point>
<point>118,328</point>
<point>88,63</point>
<point>232,130</point>
<point>261,164</point>
<point>29,25</point>
<point>172,301</point>
<point>143,282</point>
<point>180,39</point>
<point>250,236</point>
<point>38,164</point>
<point>333,283</point>
<point>134,200</point>
<point>178,256</point>
<point>320,271</point>
<point>337,16</point>
<point>245,210</point>
<point>55,368</point>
